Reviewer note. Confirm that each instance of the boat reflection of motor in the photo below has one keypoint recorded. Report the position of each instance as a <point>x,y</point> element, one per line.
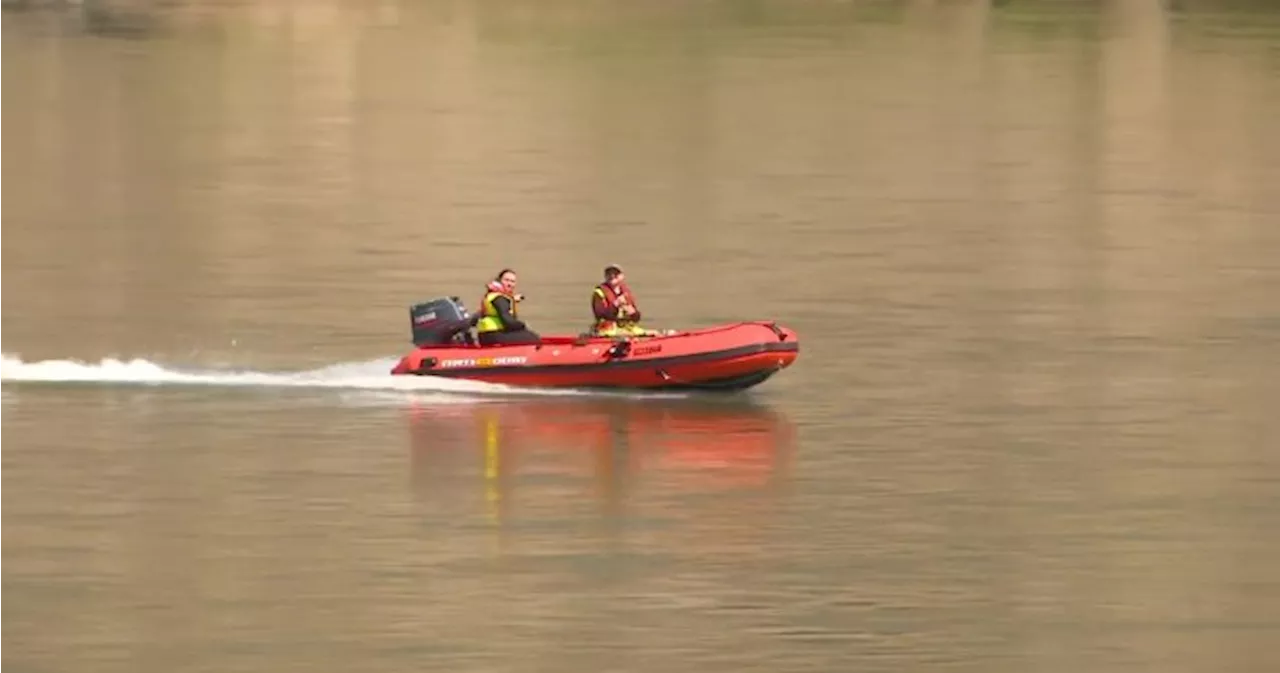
<point>711,444</point>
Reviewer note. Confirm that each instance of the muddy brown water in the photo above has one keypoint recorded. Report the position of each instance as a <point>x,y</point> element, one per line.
<point>1031,250</point>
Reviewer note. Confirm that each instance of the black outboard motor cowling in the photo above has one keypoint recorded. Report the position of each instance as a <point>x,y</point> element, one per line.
<point>440,322</point>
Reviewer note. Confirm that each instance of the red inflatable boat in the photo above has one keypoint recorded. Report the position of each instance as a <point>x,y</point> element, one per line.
<point>722,358</point>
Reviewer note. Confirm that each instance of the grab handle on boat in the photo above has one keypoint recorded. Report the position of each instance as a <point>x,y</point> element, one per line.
<point>782,336</point>
<point>620,349</point>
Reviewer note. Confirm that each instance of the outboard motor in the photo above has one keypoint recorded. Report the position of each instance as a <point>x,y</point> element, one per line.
<point>440,322</point>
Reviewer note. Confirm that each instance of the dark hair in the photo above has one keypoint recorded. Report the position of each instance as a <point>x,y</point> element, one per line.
<point>612,271</point>
<point>503,273</point>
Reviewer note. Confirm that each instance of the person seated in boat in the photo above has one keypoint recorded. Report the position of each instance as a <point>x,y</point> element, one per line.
<point>498,324</point>
<point>614,307</point>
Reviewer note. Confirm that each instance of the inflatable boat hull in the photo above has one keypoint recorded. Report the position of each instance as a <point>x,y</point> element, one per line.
<point>723,358</point>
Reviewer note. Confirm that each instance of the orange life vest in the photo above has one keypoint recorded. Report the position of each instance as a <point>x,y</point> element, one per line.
<point>610,295</point>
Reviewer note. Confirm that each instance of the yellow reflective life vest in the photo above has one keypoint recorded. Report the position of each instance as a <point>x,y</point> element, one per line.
<point>609,327</point>
<point>489,320</point>
<point>602,326</point>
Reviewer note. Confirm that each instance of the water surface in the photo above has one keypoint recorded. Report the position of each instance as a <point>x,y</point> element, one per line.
<point>1030,248</point>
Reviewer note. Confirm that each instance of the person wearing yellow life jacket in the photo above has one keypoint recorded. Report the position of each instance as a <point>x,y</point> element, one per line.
<point>498,323</point>
<point>614,307</point>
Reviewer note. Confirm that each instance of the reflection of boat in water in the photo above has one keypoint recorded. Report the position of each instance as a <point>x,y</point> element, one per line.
<point>692,444</point>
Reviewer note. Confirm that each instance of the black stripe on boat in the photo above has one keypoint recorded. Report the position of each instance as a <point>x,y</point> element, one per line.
<point>731,384</point>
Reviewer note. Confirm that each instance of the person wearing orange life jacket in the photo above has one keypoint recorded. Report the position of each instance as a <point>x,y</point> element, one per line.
<point>498,324</point>
<point>614,307</point>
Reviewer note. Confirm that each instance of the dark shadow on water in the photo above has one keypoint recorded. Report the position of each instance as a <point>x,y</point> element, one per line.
<point>125,25</point>
<point>113,19</point>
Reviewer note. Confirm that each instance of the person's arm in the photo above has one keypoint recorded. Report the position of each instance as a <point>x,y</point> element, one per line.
<point>601,307</point>
<point>503,306</point>
<point>631,301</point>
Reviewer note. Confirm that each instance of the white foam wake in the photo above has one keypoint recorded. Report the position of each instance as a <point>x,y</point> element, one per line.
<point>371,375</point>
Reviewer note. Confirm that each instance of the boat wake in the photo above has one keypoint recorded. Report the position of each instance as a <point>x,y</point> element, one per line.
<point>369,376</point>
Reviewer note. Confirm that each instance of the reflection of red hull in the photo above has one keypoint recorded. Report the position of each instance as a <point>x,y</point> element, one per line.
<point>740,444</point>
<point>727,357</point>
